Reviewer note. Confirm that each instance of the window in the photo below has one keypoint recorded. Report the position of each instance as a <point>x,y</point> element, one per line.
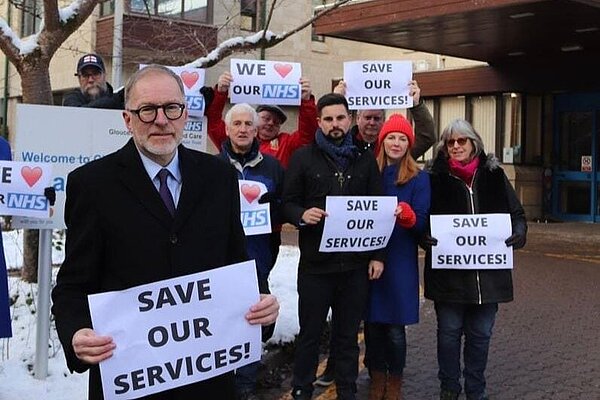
<point>107,8</point>
<point>31,17</point>
<point>317,6</point>
<point>248,15</point>
<point>189,10</point>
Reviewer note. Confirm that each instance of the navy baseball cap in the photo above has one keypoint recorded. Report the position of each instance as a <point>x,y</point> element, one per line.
<point>274,109</point>
<point>90,60</point>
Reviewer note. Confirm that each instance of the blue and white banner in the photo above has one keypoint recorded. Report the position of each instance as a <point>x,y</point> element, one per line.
<point>265,82</point>
<point>22,188</point>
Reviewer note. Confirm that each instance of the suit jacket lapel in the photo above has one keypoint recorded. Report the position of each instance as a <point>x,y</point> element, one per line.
<point>193,186</point>
<point>136,179</point>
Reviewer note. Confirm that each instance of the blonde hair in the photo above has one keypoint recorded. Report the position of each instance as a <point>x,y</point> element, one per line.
<point>407,166</point>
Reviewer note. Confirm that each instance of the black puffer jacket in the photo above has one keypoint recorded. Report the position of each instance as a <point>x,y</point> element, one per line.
<point>108,100</point>
<point>310,177</point>
<point>491,193</point>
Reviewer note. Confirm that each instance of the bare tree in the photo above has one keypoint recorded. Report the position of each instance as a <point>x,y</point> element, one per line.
<point>31,57</point>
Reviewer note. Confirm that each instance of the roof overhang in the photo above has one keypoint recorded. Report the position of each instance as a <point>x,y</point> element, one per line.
<point>557,37</point>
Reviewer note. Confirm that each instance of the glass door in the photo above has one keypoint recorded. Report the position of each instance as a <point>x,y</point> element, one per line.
<point>575,183</point>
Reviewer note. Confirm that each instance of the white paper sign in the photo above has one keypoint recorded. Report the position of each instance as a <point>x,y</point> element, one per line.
<point>357,223</point>
<point>378,84</point>
<point>68,137</point>
<point>22,188</point>
<point>473,241</point>
<point>177,331</point>
<point>265,82</point>
<point>256,218</point>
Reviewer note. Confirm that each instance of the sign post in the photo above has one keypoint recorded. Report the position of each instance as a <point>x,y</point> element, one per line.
<point>42,334</point>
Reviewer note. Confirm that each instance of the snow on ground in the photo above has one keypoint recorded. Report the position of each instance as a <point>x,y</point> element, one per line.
<point>17,354</point>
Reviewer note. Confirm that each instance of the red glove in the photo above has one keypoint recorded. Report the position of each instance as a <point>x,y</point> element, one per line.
<point>406,218</point>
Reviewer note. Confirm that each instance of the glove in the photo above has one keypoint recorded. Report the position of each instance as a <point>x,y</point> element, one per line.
<point>209,95</point>
<point>516,240</point>
<point>426,241</point>
<point>50,194</point>
<point>268,197</point>
<point>407,217</point>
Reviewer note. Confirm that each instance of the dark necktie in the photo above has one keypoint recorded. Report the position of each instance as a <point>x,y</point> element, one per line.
<point>165,193</point>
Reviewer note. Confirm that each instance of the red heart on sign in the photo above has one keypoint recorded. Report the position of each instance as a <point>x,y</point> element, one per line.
<point>250,192</point>
<point>31,175</point>
<point>283,69</point>
<point>189,78</point>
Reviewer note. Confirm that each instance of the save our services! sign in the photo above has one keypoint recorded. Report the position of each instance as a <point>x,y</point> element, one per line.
<point>378,84</point>
<point>177,331</point>
<point>474,241</point>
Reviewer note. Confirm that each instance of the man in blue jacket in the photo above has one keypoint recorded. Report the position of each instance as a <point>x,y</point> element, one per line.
<point>241,150</point>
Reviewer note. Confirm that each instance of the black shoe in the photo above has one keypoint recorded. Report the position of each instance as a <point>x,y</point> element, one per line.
<point>325,379</point>
<point>301,394</point>
<point>448,395</point>
<point>482,397</point>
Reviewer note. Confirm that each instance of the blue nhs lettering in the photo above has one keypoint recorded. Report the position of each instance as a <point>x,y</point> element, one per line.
<point>26,201</point>
<point>276,91</point>
<point>195,102</point>
<point>254,218</point>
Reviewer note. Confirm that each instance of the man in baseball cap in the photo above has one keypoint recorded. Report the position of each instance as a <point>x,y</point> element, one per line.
<point>93,90</point>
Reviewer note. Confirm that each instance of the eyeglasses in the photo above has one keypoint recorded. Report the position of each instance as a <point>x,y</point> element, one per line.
<point>87,74</point>
<point>148,114</point>
<point>461,141</point>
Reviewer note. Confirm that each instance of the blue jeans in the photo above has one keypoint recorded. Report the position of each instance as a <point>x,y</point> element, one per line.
<point>475,322</point>
<point>386,344</point>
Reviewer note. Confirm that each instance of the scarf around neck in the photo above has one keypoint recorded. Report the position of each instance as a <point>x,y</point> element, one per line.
<point>342,154</point>
<point>464,172</point>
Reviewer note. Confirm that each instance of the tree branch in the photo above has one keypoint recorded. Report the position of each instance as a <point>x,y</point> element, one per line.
<point>9,42</point>
<point>264,39</point>
<point>71,18</point>
<point>268,22</point>
<point>51,21</point>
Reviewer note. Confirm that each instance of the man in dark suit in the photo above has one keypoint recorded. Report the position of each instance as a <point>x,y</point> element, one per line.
<point>152,210</point>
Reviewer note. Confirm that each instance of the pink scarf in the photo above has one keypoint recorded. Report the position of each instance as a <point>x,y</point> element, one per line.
<point>464,171</point>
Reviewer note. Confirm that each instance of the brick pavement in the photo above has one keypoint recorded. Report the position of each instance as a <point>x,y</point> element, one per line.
<point>546,343</point>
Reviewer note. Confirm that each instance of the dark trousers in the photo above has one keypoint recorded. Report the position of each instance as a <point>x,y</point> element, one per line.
<point>475,322</point>
<point>387,347</point>
<point>346,294</point>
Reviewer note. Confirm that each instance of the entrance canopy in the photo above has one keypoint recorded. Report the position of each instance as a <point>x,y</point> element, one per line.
<point>531,45</point>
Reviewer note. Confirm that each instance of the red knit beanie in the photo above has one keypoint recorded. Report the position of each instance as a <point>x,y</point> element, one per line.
<point>396,123</point>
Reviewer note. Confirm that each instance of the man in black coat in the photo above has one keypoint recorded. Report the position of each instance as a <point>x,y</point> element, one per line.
<point>94,91</point>
<point>332,166</point>
<point>121,232</point>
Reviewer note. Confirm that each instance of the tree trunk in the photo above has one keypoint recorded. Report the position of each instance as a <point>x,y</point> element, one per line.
<point>36,90</point>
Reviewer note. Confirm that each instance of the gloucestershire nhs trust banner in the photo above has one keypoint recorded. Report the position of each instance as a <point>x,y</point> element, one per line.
<point>68,137</point>
<point>357,223</point>
<point>265,82</point>
<point>378,84</point>
<point>177,331</point>
<point>471,241</point>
